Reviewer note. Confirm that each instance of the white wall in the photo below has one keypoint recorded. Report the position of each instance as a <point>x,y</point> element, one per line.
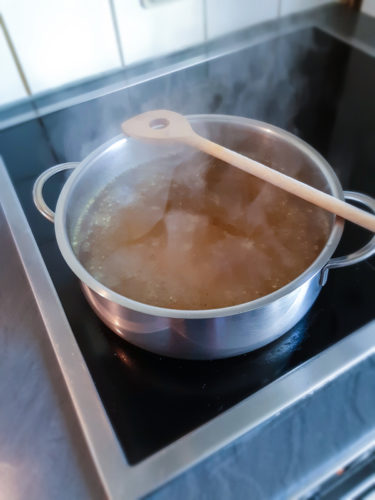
<point>368,7</point>
<point>225,16</point>
<point>150,32</point>
<point>62,41</point>
<point>292,6</point>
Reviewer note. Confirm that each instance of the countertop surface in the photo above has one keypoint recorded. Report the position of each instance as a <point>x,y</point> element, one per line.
<point>42,451</point>
<point>43,454</point>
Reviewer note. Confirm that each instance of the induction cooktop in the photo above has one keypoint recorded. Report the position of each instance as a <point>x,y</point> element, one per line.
<point>307,82</point>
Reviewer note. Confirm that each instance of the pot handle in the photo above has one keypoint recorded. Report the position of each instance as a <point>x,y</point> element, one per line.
<point>40,204</point>
<point>358,256</point>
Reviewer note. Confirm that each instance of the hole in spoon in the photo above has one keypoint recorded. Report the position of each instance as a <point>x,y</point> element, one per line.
<point>159,123</point>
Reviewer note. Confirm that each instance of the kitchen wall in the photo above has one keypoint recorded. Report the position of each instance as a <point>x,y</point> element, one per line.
<point>48,43</point>
<point>368,7</point>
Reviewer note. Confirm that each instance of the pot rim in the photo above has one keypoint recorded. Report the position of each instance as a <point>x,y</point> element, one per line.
<point>75,265</point>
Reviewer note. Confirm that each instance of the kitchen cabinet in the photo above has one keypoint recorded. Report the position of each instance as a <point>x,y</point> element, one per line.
<point>61,42</point>
<point>151,29</point>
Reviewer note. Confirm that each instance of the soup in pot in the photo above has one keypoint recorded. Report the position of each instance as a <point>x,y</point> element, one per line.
<point>197,236</point>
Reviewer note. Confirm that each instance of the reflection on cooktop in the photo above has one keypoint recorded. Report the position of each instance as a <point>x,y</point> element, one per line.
<point>199,389</point>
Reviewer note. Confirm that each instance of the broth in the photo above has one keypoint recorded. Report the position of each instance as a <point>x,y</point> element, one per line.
<point>198,236</point>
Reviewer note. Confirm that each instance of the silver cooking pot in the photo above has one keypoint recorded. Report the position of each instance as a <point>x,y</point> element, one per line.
<point>201,334</point>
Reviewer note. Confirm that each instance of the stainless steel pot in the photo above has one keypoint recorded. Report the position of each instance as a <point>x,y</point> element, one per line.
<point>200,334</point>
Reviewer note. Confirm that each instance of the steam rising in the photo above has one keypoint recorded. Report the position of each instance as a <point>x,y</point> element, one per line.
<point>264,82</point>
<point>188,232</point>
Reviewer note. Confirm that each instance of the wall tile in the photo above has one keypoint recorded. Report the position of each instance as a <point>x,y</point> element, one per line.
<point>292,6</point>
<point>61,41</point>
<point>11,88</point>
<point>225,16</point>
<point>150,32</point>
<point>368,7</point>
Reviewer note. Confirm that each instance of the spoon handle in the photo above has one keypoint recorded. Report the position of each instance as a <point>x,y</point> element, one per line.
<point>293,186</point>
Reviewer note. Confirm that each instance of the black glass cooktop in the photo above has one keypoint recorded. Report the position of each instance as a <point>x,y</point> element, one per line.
<point>306,82</point>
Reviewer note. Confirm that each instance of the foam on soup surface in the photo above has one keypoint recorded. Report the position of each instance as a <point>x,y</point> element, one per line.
<point>199,236</point>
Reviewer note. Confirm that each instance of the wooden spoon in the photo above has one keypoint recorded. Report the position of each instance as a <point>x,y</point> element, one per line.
<point>164,125</point>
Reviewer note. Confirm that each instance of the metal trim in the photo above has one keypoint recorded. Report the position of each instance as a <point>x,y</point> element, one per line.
<point>256,409</point>
<point>360,489</point>
<point>349,40</point>
<point>119,479</point>
<point>85,399</point>
<point>363,446</point>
